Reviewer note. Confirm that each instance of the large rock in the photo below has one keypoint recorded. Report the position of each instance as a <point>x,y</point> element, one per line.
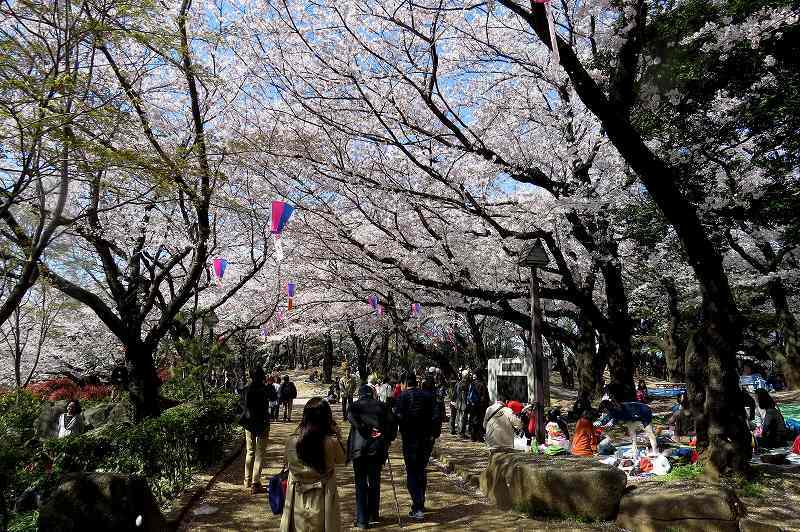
<point>553,486</point>
<point>114,413</point>
<point>101,501</point>
<point>654,507</point>
<point>46,425</point>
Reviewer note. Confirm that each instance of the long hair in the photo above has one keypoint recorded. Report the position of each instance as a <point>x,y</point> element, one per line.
<point>317,424</point>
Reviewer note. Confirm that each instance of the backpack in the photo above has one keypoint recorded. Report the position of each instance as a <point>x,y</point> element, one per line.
<point>276,491</point>
<point>242,412</point>
<point>473,397</point>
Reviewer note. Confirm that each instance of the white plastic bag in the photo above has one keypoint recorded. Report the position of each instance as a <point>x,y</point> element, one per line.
<point>520,443</point>
<point>661,465</point>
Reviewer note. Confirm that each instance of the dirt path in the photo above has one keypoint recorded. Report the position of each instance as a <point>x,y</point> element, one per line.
<point>452,507</point>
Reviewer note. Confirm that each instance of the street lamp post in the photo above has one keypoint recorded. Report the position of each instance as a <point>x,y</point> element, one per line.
<point>536,257</point>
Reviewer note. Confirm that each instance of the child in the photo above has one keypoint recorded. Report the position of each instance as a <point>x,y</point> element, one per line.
<point>641,392</point>
<point>556,434</point>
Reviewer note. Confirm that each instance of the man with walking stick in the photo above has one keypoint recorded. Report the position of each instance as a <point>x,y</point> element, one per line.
<point>372,430</point>
<point>420,425</point>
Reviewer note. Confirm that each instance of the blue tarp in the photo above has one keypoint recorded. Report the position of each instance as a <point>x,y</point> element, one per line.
<point>666,392</point>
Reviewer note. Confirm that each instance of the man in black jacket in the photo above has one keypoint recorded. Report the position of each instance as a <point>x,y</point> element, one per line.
<point>420,426</point>
<point>372,430</point>
<point>287,393</point>
<point>255,421</point>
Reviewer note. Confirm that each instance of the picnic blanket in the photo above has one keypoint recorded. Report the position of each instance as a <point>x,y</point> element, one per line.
<point>674,391</point>
<point>754,382</point>
<point>791,415</point>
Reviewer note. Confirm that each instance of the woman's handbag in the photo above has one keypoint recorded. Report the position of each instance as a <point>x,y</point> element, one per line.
<point>276,491</point>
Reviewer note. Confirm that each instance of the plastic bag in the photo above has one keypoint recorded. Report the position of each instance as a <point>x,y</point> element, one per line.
<point>661,465</point>
<point>520,443</point>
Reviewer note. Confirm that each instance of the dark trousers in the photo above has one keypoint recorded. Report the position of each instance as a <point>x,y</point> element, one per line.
<point>347,402</point>
<point>367,471</point>
<point>453,418</point>
<point>273,411</point>
<point>465,415</point>
<point>416,454</point>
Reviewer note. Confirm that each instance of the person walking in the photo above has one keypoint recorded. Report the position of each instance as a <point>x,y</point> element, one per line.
<point>471,399</point>
<point>456,392</point>
<point>478,410</point>
<point>420,426</point>
<point>346,385</point>
<point>255,421</point>
<point>372,430</point>
<point>274,406</point>
<point>272,399</point>
<point>312,454</point>
<point>287,395</point>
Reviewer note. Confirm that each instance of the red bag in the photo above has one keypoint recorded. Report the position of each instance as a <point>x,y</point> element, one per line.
<point>796,446</point>
<point>645,465</point>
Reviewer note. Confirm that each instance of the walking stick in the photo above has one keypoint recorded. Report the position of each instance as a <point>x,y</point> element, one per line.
<point>394,490</point>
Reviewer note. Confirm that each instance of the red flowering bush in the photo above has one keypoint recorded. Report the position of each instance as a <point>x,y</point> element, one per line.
<point>55,389</point>
<point>93,392</point>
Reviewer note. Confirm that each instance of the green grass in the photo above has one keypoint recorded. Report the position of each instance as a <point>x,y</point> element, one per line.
<point>26,522</point>
<point>537,510</point>
<point>685,472</point>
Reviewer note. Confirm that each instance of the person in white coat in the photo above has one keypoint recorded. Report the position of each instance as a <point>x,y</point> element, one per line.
<point>501,425</point>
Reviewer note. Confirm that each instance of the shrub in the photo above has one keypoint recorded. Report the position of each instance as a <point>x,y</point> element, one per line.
<point>25,522</point>
<point>95,392</point>
<point>166,450</point>
<point>18,412</point>
<point>55,389</point>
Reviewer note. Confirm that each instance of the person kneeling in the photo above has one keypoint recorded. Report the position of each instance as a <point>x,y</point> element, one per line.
<point>635,416</point>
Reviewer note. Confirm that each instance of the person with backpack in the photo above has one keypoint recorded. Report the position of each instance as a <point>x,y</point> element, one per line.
<point>420,425</point>
<point>481,404</point>
<point>372,430</point>
<point>255,421</point>
<point>471,401</point>
<point>501,424</point>
<point>287,395</point>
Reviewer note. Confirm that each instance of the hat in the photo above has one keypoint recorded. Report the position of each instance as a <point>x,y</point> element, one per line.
<point>515,406</point>
<point>364,390</point>
<point>465,373</point>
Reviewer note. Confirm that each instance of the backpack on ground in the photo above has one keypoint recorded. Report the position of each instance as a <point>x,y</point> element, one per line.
<point>276,491</point>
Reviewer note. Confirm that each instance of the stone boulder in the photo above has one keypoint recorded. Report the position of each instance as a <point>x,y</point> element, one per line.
<point>46,425</point>
<point>553,486</point>
<point>653,507</point>
<point>101,501</point>
<point>114,413</point>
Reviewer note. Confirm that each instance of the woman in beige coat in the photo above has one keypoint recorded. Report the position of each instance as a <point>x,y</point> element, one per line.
<point>312,453</point>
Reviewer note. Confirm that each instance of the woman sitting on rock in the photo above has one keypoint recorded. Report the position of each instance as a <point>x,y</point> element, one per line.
<point>70,423</point>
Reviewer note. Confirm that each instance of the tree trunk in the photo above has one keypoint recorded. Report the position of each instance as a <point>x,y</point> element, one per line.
<point>557,352</point>
<point>327,360</point>
<point>696,382</point>
<point>143,381</point>
<point>590,365</point>
<point>790,363</point>
<point>674,347</point>
<point>618,340</point>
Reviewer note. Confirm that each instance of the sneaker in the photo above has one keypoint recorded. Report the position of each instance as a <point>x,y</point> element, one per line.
<point>416,515</point>
<point>360,526</point>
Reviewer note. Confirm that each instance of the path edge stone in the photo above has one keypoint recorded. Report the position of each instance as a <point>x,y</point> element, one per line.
<point>178,509</point>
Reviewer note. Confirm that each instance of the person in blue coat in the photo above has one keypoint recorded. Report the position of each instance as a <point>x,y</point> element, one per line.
<point>635,416</point>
